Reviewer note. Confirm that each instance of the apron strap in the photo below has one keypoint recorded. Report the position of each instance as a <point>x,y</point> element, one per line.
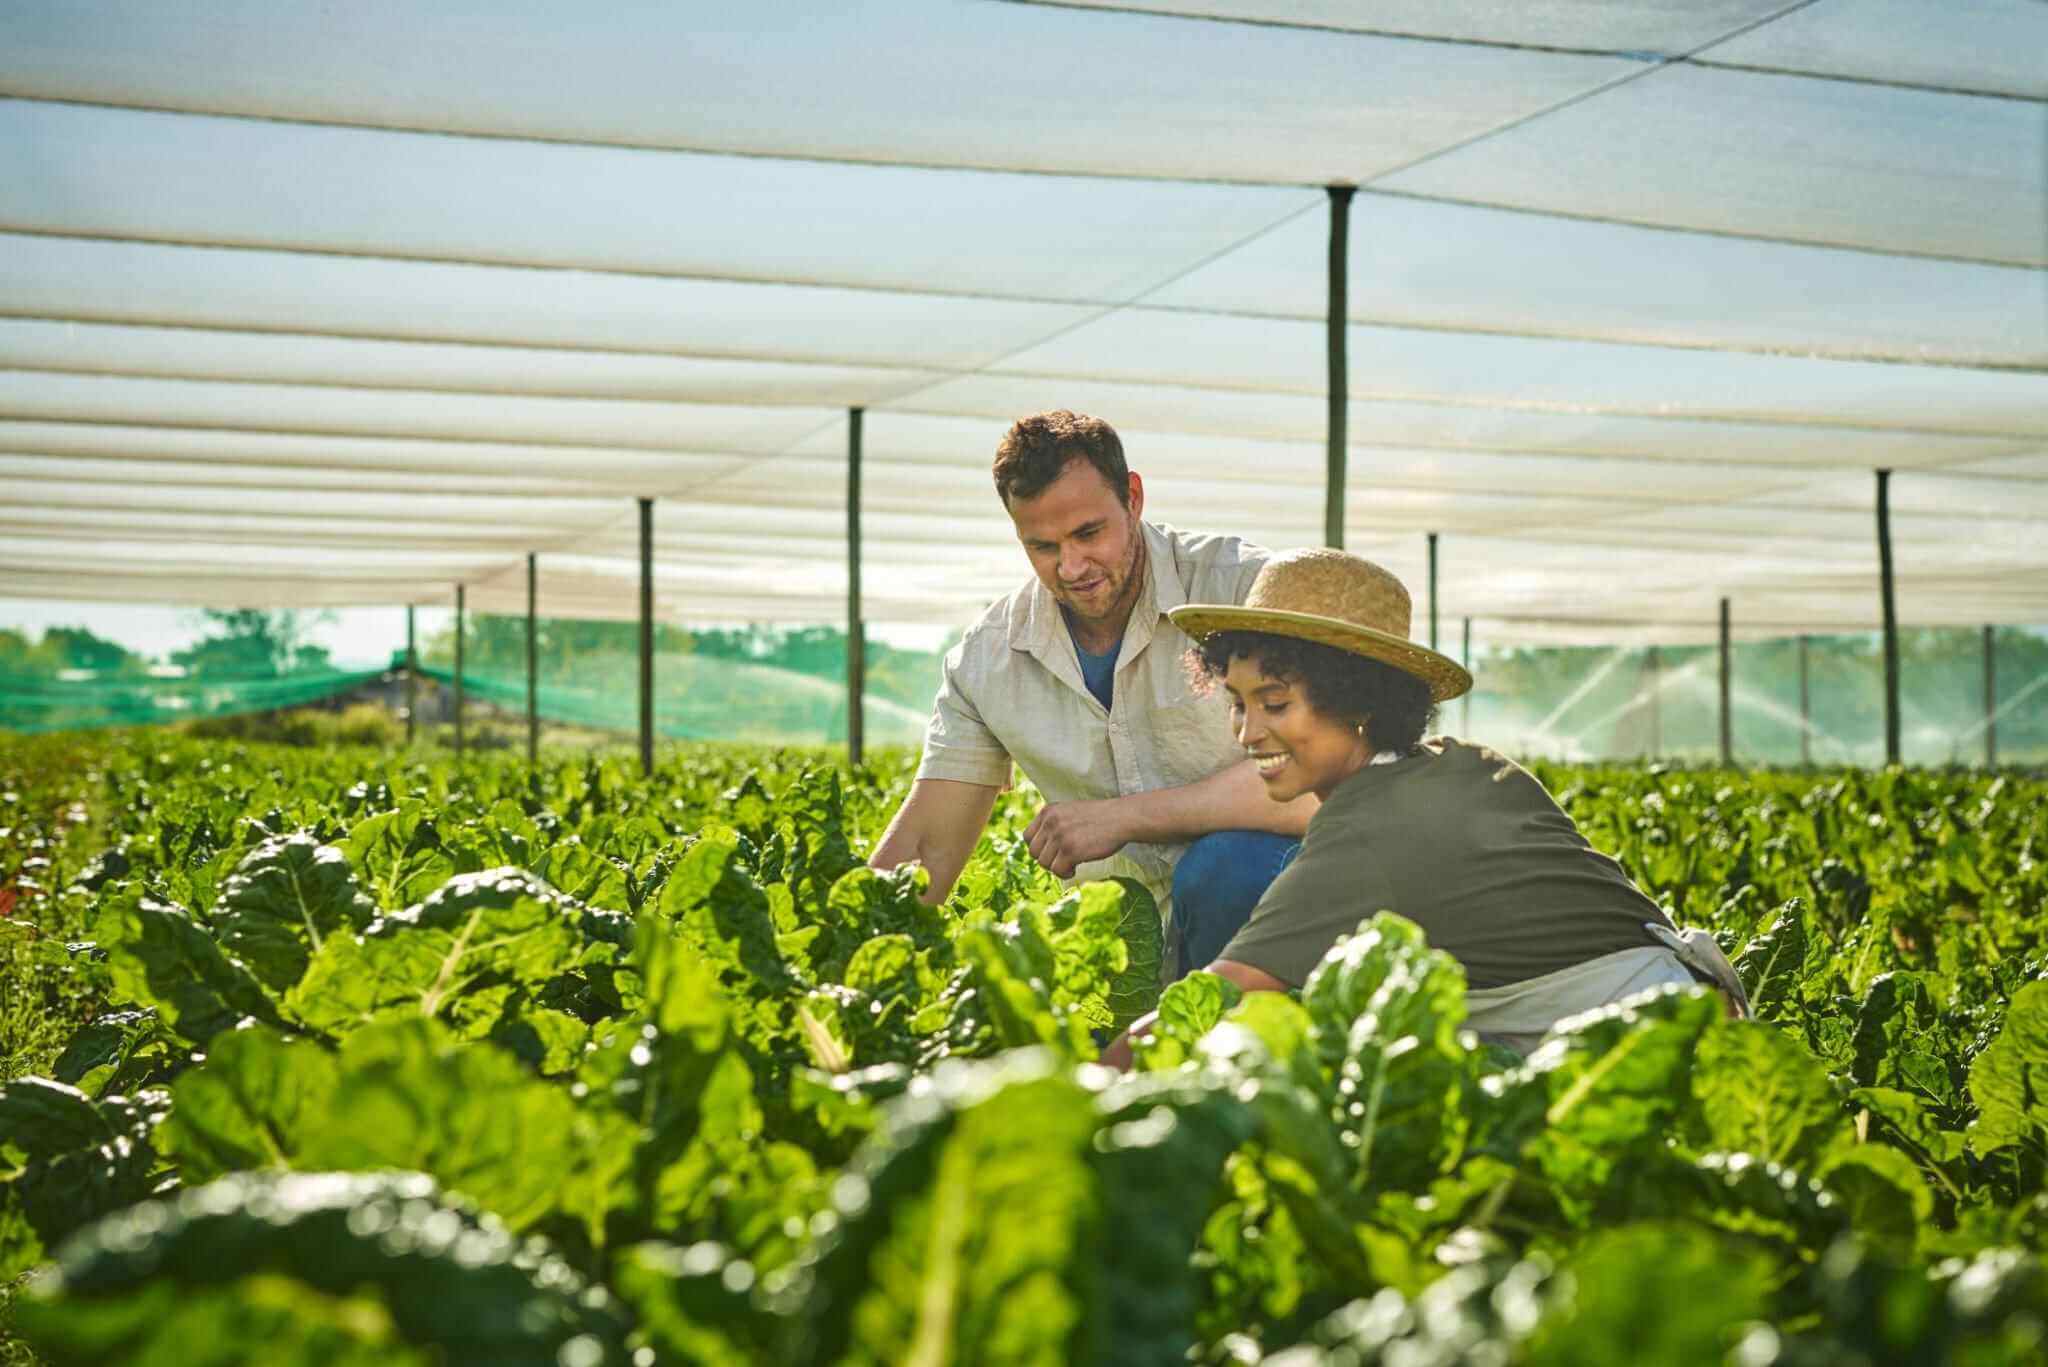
<point>1697,950</point>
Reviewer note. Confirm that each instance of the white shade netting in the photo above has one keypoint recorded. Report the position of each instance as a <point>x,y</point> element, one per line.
<point>302,307</point>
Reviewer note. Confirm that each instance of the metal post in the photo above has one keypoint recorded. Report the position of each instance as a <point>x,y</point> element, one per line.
<point>647,636</point>
<point>1891,617</point>
<point>458,669</point>
<point>1805,706</point>
<point>1656,663</point>
<point>1990,698</point>
<point>412,675</point>
<point>1465,703</point>
<point>1727,679</point>
<point>1339,374</point>
<point>1432,591</point>
<point>532,660</point>
<point>856,629</point>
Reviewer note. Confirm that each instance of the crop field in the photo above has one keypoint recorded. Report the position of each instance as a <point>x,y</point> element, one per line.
<point>331,1057</point>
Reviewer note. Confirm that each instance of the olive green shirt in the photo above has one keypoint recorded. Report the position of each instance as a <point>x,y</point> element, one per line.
<point>1468,845</point>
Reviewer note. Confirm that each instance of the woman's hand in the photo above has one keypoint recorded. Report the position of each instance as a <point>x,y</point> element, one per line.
<point>1118,1054</point>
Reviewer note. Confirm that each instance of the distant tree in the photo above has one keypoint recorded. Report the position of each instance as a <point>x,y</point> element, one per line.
<point>17,655</point>
<point>66,648</point>
<point>495,643</point>
<point>255,641</point>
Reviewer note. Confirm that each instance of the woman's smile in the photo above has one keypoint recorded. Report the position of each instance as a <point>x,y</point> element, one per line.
<point>1295,748</point>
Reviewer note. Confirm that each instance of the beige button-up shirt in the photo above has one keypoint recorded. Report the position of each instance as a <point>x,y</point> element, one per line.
<point>1013,690</point>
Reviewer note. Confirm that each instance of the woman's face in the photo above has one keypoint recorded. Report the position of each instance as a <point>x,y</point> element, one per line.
<point>1297,749</point>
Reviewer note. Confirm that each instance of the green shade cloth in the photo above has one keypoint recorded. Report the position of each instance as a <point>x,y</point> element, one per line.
<point>695,698</point>
<point>38,703</point>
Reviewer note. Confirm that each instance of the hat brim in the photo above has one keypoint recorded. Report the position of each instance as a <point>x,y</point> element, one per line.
<point>1446,678</point>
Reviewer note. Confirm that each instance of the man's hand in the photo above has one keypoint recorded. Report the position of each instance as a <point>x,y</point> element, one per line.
<point>936,827</point>
<point>1066,834</point>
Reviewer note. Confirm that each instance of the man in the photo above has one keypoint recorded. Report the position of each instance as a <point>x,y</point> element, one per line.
<point>1079,677</point>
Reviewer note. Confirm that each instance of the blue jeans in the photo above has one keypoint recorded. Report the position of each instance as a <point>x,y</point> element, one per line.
<point>1216,885</point>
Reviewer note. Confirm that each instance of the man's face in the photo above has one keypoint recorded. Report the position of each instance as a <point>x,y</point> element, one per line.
<point>1084,544</point>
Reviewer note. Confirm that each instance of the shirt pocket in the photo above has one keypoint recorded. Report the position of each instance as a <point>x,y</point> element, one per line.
<point>1192,739</point>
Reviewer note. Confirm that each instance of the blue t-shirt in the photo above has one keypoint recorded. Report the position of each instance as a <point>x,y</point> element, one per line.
<point>1098,671</point>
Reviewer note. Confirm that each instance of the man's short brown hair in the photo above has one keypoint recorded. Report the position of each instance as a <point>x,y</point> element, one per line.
<point>1037,450</point>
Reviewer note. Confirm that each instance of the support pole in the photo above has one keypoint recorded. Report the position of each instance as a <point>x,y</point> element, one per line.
<point>1465,703</point>
<point>647,636</point>
<point>1891,617</point>
<point>1727,680</point>
<point>856,629</point>
<point>1656,663</point>
<point>1337,316</point>
<point>1432,591</point>
<point>1805,706</point>
<point>532,660</point>
<point>1990,698</point>
<point>459,629</point>
<point>412,675</point>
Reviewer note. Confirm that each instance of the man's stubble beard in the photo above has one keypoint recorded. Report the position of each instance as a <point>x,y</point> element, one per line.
<point>1119,610</point>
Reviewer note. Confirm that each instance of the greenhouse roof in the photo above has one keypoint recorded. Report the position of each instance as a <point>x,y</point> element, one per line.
<point>306,304</point>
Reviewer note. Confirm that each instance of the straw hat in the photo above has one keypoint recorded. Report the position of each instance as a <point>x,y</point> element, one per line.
<point>1335,599</point>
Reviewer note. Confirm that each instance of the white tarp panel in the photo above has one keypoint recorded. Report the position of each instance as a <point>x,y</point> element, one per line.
<point>1645,27</point>
<point>310,305</point>
<point>1762,155</point>
<point>921,82</point>
<point>1992,46</point>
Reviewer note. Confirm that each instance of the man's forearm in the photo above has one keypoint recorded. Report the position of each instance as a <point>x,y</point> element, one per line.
<point>1232,799</point>
<point>941,865</point>
<point>1065,835</point>
<point>936,827</point>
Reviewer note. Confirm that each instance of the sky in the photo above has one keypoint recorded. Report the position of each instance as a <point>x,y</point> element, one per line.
<point>356,636</point>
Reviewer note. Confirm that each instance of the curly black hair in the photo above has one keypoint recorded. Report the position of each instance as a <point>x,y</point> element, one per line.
<point>1395,706</point>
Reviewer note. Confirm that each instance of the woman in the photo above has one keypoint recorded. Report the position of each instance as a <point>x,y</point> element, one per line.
<point>1329,696</point>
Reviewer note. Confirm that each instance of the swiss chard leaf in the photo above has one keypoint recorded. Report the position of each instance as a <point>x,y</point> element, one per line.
<point>1897,1039</point>
<point>1633,1295</point>
<point>1159,1159</point>
<point>284,899</point>
<point>692,1304</point>
<point>1384,1011</point>
<point>1188,1010</point>
<point>1761,1093</point>
<point>159,956</point>
<point>399,854</point>
<point>352,1263</point>
<point>2009,1080</point>
<point>965,1227</point>
<point>1776,964</point>
<point>1125,912</point>
<point>41,1119</point>
<point>409,1096</point>
<point>496,926</point>
<point>1604,1089</point>
<point>721,908</point>
<point>251,1104</point>
<point>66,1160</point>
